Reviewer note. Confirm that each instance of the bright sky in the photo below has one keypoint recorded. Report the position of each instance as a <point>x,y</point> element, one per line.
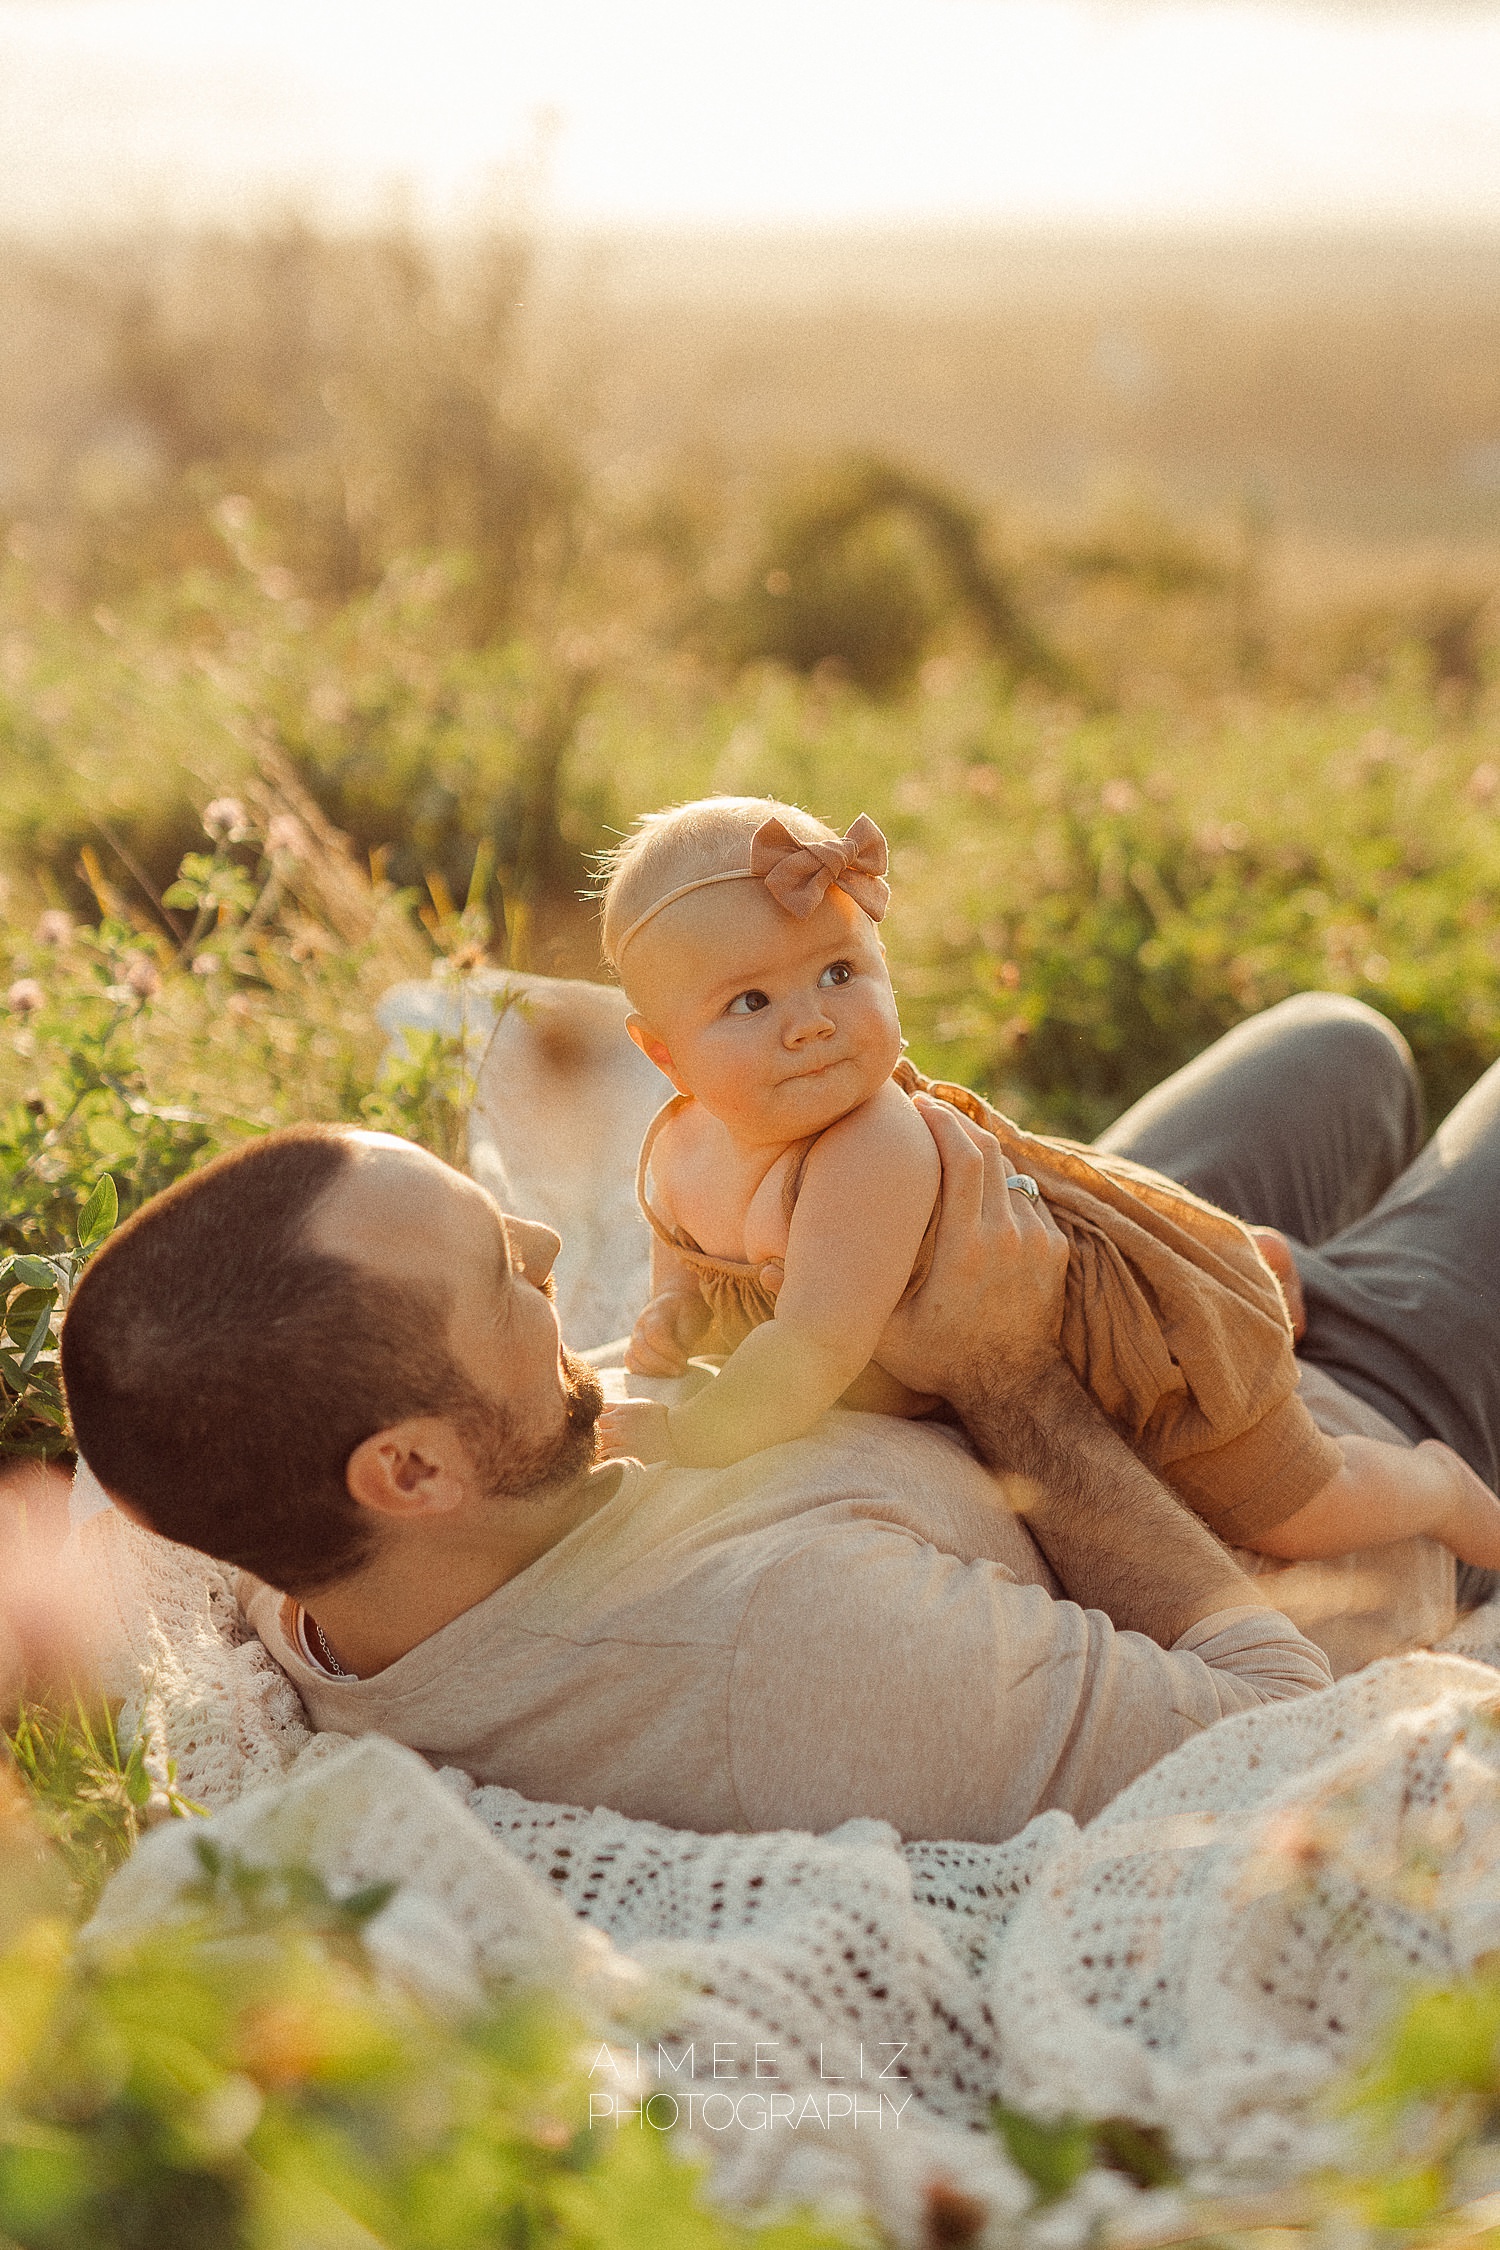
<point>696,111</point>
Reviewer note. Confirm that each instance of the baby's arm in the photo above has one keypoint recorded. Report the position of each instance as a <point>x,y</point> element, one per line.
<point>862,1210</point>
<point>1388,1492</point>
<point>674,1322</point>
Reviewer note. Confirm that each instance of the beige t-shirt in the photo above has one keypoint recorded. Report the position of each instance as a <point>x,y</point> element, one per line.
<point>849,1624</point>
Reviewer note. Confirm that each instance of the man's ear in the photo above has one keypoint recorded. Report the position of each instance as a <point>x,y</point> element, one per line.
<point>420,1467</point>
<point>655,1049</point>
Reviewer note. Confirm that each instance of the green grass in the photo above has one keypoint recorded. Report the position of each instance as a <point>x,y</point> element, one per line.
<point>1082,899</point>
<point>92,1794</point>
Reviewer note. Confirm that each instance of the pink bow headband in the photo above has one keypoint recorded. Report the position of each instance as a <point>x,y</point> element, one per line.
<point>798,875</point>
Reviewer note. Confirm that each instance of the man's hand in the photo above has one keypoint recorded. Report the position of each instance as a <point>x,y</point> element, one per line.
<point>994,1298</point>
<point>667,1334</point>
<point>635,1429</point>
<point>1277,1252</point>
<point>982,1331</point>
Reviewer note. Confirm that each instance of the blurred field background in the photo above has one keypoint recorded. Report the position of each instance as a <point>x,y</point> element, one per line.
<point>1143,587</point>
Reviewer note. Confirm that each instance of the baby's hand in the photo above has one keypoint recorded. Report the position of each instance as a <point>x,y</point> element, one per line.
<point>635,1429</point>
<point>664,1337</point>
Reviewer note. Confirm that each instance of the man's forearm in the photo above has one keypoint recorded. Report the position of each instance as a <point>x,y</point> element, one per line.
<point>1114,1534</point>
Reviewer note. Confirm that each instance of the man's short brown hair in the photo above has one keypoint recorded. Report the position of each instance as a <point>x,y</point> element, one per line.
<point>220,1370</point>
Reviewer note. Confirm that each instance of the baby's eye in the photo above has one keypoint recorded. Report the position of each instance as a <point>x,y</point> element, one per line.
<point>837,972</point>
<point>747,1004</point>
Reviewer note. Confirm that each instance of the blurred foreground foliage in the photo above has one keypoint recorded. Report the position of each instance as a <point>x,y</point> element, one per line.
<point>255,2076</point>
<point>1420,2163</point>
<point>92,1794</point>
<point>247,2080</point>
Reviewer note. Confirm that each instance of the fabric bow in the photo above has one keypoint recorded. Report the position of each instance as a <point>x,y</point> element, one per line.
<point>797,875</point>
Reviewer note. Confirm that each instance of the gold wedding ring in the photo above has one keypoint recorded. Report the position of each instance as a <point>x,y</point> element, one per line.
<point>1024,1184</point>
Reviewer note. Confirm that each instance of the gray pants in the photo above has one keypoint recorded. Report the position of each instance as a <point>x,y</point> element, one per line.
<point>1309,1118</point>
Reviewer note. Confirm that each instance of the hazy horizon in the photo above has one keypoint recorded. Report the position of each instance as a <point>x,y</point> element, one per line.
<point>820,113</point>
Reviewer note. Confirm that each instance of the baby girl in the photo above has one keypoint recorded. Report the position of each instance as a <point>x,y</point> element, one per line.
<point>792,1191</point>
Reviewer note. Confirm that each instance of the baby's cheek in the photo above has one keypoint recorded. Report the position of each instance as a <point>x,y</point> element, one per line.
<point>741,1078</point>
<point>885,1037</point>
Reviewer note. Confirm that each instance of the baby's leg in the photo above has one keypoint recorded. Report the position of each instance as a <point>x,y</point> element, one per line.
<point>1386,1493</point>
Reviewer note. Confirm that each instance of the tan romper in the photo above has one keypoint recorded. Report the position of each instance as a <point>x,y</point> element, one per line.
<point>1172,1320</point>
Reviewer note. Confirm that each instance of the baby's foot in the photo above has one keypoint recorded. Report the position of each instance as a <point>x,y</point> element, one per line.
<point>1472,1525</point>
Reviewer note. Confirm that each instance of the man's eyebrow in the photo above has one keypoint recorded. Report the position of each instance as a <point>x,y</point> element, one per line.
<point>505,1274</point>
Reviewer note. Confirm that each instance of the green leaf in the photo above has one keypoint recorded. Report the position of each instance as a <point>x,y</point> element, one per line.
<point>1054,2156</point>
<point>100,1214</point>
<point>363,1905</point>
<point>111,1138</point>
<point>41,2184</point>
<point>1448,2038</point>
<point>25,1310</point>
<point>1142,2151</point>
<point>39,1336</point>
<point>37,1273</point>
<point>1406,2199</point>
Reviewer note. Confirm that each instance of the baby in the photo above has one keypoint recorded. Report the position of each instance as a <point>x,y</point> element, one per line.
<point>792,1190</point>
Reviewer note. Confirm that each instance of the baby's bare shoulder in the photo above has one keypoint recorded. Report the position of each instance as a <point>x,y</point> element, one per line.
<point>689,1144</point>
<point>885,1137</point>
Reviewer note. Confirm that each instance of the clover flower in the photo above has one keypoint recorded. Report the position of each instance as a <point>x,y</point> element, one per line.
<point>142,976</point>
<point>225,822</point>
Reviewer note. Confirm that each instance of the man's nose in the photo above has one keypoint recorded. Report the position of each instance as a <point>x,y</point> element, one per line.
<point>533,1248</point>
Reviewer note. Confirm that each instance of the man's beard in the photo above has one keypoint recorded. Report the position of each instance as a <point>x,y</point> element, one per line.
<point>513,1471</point>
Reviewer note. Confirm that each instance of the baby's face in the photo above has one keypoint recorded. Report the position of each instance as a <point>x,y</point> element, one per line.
<point>777,1026</point>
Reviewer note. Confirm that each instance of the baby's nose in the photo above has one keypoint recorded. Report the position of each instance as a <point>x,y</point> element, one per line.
<point>807,1019</point>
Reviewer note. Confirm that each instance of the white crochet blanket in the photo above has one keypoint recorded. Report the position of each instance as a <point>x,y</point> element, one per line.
<point>1205,1956</point>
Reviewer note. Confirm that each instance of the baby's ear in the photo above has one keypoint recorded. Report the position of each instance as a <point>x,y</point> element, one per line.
<point>653,1048</point>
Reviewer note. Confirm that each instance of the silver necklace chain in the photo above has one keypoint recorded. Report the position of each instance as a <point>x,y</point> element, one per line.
<point>324,1652</point>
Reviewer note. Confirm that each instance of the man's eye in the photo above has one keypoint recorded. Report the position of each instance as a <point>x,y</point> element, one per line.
<point>747,1004</point>
<point>837,972</point>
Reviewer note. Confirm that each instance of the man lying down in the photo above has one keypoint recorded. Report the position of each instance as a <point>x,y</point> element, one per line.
<point>328,1360</point>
